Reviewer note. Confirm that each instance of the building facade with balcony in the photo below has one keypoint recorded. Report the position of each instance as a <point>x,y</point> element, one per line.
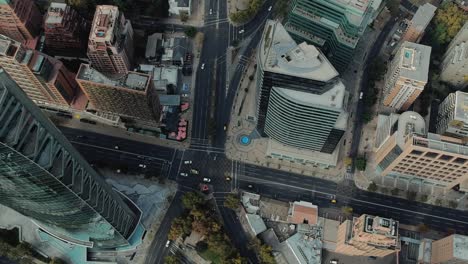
<point>454,66</point>
<point>332,25</point>
<point>407,75</point>
<point>19,19</point>
<point>44,79</point>
<point>110,43</point>
<point>65,30</point>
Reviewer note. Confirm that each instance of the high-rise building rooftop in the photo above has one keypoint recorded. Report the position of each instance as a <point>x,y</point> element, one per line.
<point>133,80</point>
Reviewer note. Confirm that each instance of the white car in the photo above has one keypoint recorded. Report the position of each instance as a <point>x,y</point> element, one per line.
<point>360,96</point>
<point>203,66</point>
<point>116,147</point>
<point>183,174</point>
<point>142,166</point>
<point>206,180</point>
<point>269,9</point>
<point>168,243</point>
<point>241,31</point>
<point>194,171</point>
<point>211,11</point>
<point>187,162</point>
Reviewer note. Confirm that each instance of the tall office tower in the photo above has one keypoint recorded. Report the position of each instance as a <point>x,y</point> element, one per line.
<point>110,44</point>
<point>300,99</point>
<point>44,79</point>
<point>368,235</point>
<point>452,118</point>
<point>405,151</point>
<point>335,26</point>
<point>65,30</point>
<point>19,19</point>
<point>416,27</point>
<point>454,66</point>
<point>131,97</point>
<point>452,249</point>
<point>42,176</point>
<point>406,75</point>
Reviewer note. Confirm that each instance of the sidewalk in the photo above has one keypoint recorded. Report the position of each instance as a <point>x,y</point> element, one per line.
<point>117,132</point>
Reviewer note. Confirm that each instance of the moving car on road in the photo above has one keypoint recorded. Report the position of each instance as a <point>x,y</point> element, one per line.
<point>206,180</point>
<point>184,174</point>
<point>142,166</point>
<point>203,66</point>
<point>187,162</point>
<point>194,171</point>
<point>168,243</point>
<point>228,178</point>
<point>269,9</point>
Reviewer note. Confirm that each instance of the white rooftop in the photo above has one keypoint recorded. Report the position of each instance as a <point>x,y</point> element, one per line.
<point>460,247</point>
<point>105,18</point>
<point>356,9</point>
<point>409,122</point>
<point>55,13</point>
<point>461,106</point>
<point>306,248</point>
<point>423,16</point>
<point>281,54</point>
<point>256,223</point>
<point>414,61</point>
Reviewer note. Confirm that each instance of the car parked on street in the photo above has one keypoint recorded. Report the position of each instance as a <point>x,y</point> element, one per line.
<point>183,174</point>
<point>206,180</point>
<point>187,162</point>
<point>194,171</point>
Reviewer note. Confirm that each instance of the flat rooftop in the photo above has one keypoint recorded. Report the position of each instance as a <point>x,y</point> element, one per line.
<point>281,54</point>
<point>409,122</point>
<point>423,16</point>
<point>357,11</point>
<point>104,21</point>
<point>132,80</point>
<point>461,106</point>
<point>460,247</point>
<point>8,46</point>
<point>414,61</point>
<point>55,13</point>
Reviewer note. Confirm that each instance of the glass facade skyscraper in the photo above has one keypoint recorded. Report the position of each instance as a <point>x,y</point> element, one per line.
<point>43,177</point>
<point>335,26</point>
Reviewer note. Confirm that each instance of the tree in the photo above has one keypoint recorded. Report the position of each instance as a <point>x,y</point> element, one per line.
<point>393,6</point>
<point>190,32</point>
<point>447,22</point>
<point>191,200</point>
<point>184,16</point>
<point>424,198</point>
<point>232,202</point>
<point>395,191</point>
<point>410,195</point>
<point>171,260</point>
<point>347,210</point>
<point>372,187</point>
<point>438,202</point>
<point>266,255</point>
<point>453,204</point>
<point>180,226</point>
<point>235,43</point>
<point>55,260</point>
<point>251,77</point>
<point>361,163</point>
<point>367,116</point>
<point>201,246</point>
<point>218,243</point>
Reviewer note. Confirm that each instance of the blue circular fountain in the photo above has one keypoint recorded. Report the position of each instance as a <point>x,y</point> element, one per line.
<point>245,140</point>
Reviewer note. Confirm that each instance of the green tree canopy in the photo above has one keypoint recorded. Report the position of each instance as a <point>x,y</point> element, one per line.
<point>372,187</point>
<point>361,163</point>
<point>190,32</point>
<point>265,255</point>
<point>171,260</point>
<point>232,202</point>
<point>448,20</point>
<point>191,200</point>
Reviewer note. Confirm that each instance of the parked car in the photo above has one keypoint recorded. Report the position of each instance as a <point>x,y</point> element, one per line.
<point>142,166</point>
<point>194,171</point>
<point>206,180</point>
<point>203,66</point>
<point>187,162</point>
<point>334,261</point>
<point>211,11</point>
<point>360,96</point>
<point>168,243</point>
<point>184,174</point>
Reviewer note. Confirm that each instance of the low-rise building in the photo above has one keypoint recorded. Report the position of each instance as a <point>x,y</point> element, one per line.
<point>417,25</point>
<point>303,213</point>
<point>368,236</point>
<point>406,76</point>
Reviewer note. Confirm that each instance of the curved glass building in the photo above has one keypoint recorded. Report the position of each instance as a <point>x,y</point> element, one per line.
<point>300,98</point>
<point>42,176</point>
